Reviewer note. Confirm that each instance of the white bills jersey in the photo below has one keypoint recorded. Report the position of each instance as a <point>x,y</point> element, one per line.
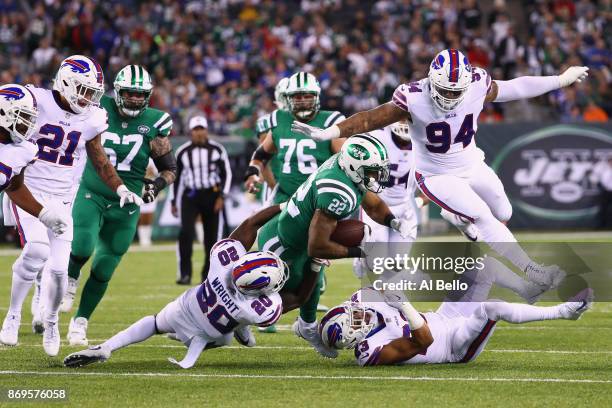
<point>393,325</point>
<point>13,159</point>
<point>443,142</point>
<point>216,308</point>
<point>61,138</point>
<point>400,165</point>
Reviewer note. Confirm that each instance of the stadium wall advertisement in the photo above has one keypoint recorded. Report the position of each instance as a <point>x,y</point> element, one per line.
<point>550,172</point>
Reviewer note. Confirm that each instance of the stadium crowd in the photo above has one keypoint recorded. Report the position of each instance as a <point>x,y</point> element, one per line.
<point>224,57</point>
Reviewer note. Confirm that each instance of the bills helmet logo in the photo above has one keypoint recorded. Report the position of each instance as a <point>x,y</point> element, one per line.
<point>438,62</point>
<point>76,65</point>
<point>11,93</point>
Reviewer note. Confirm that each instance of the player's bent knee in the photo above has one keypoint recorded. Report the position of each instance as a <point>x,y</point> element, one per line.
<point>33,258</point>
<point>504,213</point>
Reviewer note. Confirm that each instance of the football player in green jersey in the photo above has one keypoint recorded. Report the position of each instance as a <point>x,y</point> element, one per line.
<point>298,156</point>
<point>135,133</point>
<point>303,229</point>
<point>262,127</point>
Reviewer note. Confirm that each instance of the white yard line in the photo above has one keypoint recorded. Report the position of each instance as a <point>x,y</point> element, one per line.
<point>82,373</point>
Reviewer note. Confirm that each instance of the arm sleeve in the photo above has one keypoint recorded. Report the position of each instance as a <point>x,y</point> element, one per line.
<point>164,125</point>
<point>177,181</point>
<point>226,171</point>
<point>399,98</point>
<point>525,87</point>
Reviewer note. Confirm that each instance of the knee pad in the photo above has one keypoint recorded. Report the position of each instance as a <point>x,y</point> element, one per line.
<point>504,213</point>
<point>32,259</point>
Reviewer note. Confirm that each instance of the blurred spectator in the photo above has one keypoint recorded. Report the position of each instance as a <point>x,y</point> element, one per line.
<point>224,58</point>
<point>593,113</point>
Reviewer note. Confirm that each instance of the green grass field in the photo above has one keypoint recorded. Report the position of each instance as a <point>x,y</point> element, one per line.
<point>560,363</point>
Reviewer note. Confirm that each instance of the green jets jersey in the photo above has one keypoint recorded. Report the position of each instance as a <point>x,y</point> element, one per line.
<point>328,189</point>
<point>127,144</point>
<point>299,156</point>
<point>263,125</point>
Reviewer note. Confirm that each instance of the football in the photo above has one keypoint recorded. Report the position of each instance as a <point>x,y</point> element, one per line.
<point>348,233</point>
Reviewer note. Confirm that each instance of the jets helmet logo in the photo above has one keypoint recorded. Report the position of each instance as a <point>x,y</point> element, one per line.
<point>12,93</point>
<point>358,152</point>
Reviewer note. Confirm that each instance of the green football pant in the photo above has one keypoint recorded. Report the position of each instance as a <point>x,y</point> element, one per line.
<point>100,225</point>
<point>299,266</point>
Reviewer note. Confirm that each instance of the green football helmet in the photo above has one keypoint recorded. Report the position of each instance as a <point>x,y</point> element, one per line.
<point>134,79</point>
<point>366,161</point>
<point>303,106</point>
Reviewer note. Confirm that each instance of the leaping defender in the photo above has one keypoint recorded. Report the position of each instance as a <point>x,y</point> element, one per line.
<point>442,111</point>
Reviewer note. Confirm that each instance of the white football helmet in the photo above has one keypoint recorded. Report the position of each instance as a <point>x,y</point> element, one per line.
<point>80,80</point>
<point>18,112</point>
<point>300,85</point>
<point>259,273</point>
<point>401,130</point>
<point>450,75</point>
<point>365,160</point>
<point>136,79</point>
<point>280,97</point>
<point>346,325</point>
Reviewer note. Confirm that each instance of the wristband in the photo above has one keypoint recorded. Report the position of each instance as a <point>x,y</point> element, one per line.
<point>388,219</point>
<point>414,318</point>
<point>160,183</point>
<point>251,171</point>
<point>355,252</point>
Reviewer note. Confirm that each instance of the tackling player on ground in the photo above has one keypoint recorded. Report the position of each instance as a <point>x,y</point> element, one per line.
<point>69,127</point>
<point>241,289</point>
<point>135,133</point>
<point>442,111</point>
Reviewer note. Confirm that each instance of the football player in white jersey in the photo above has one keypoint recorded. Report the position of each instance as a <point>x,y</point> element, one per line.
<point>18,114</point>
<point>387,329</point>
<point>68,128</point>
<point>240,290</point>
<point>450,170</point>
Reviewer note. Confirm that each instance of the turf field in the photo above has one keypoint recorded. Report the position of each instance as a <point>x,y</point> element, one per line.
<point>559,364</point>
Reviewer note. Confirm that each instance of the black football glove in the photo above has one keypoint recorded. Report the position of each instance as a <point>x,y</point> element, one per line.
<point>152,188</point>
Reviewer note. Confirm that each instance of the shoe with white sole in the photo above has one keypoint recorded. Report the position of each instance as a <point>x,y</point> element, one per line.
<point>466,227</point>
<point>77,332</point>
<point>310,333</point>
<point>51,338</point>
<point>9,335</point>
<point>268,329</point>
<point>550,276</point>
<point>68,299</point>
<point>85,357</point>
<point>579,304</point>
<point>244,336</point>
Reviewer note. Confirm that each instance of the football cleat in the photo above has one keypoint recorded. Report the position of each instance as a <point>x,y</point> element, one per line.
<point>310,333</point>
<point>86,357</point>
<point>77,332</point>
<point>68,299</point>
<point>36,308</point>
<point>549,276</point>
<point>51,338</point>
<point>244,336</point>
<point>9,334</point>
<point>579,304</point>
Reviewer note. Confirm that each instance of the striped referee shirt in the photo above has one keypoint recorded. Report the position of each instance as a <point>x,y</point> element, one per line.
<point>202,167</point>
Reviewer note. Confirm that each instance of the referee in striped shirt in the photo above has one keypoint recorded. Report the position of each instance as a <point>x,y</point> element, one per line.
<point>203,179</point>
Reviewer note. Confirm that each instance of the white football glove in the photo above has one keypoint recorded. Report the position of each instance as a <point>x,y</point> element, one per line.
<point>401,225</point>
<point>55,221</point>
<point>399,301</point>
<point>127,197</point>
<point>315,133</point>
<point>573,74</point>
<point>367,247</point>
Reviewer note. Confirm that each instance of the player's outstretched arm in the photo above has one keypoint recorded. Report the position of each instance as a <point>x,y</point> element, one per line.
<point>320,244</point>
<point>531,86</point>
<point>379,211</point>
<point>161,153</point>
<point>261,156</point>
<point>107,172</point>
<point>360,122</point>
<point>246,232</point>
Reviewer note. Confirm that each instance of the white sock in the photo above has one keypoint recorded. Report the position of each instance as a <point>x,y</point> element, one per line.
<point>501,240</point>
<point>519,313</point>
<point>144,235</point>
<point>139,331</point>
<point>53,292</point>
<point>306,325</point>
<point>199,229</point>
